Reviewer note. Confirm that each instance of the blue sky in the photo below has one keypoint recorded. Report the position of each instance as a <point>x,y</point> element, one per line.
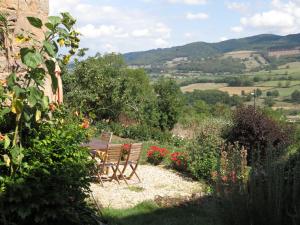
<point>135,25</point>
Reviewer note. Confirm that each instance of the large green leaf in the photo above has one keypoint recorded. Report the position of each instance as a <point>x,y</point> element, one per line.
<point>34,97</point>
<point>51,69</point>
<point>36,22</point>
<point>54,20</point>
<point>31,58</point>
<point>50,49</point>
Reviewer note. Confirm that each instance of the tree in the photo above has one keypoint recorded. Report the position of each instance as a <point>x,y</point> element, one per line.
<point>258,92</point>
<point>104,88</point>
<point>296,96</point>
<point>170,102</point>
<point>269,101</point>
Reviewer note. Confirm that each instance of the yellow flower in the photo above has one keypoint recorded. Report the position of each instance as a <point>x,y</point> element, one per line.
<point>66,59</point>
<point>61,42</point>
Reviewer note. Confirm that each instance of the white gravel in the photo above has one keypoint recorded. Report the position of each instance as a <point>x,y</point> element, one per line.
<point>156,181</point>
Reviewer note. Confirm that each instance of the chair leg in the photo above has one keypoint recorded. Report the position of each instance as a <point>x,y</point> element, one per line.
<point>114,174</point>
<point>122,175</point>
<point>134,172</point>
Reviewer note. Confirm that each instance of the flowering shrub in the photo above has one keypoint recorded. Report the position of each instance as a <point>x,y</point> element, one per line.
<point>179,161</point>
<point>155,154</point>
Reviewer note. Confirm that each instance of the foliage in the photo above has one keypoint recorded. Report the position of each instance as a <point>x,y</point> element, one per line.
<point>179,161</point>
<point>254,130</point>
<point>212,97</point>
<point>295,97</point>
<point>156,155</point>
<point>269,101</point>
<point>239,82</point>
<point>43,171</point>
<point>205,150</point>
<point>53,181</point>
<point>169,100</point>
<point>270,195</point>
<point>213,65</point>
<point>103,88</point>
<point>274,93</point>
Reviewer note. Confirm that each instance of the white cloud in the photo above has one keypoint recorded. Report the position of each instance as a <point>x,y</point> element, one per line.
<point>161,43</point>
<point>237,29</point>
<point>109,48</point>
<point>189,2</point>
<point>197,16</point>
<point>241,7</point>
<point>141,33</point>
<point>283,17</point>
<point>188,35</point>
<point>90,31</point>
<point>116,28</point>
<point>223,38</point>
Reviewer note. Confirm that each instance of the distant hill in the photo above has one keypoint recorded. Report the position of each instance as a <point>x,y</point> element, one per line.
<point>263,43</point>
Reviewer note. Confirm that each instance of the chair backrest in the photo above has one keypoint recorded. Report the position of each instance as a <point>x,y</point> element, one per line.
<point>105,137</point>
<point>114,153</point>
<point>135,152</point>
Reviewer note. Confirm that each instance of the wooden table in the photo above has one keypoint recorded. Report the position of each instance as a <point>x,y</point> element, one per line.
<point>95,145</point>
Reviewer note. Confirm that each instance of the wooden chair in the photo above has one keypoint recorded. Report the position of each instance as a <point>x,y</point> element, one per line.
<point>133,160</point>
<point>111,160</point>
<point>106,137</point>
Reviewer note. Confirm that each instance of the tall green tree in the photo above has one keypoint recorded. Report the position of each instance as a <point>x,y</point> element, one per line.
<point>104,88</point>
<point>170,102</point>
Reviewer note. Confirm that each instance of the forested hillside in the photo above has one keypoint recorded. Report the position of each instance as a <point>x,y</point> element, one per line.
<point>189,57</point>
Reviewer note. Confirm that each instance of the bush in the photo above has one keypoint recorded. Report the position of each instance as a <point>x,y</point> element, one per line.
<point>179,161</point>
<point>274,93</point>
<point>270,196</point>
<point>254,130</point>
<point>156,155</point>
<point>269,101</point>
<point>296,96</point>
<point>54,180</point>
<point>205,150</point>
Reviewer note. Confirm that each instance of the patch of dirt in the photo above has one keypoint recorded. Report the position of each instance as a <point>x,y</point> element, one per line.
<point>156,181</point>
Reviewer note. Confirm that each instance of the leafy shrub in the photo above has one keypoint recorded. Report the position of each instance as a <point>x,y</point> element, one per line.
<point>53,182</point>
<point>179,161</point>
<point>274,93</point>
<point>270,196</point>
<point>269,101</point>
<point>205,150</point>
<point>254,130</point>
<point>156,155</point>
<point>296,96</point>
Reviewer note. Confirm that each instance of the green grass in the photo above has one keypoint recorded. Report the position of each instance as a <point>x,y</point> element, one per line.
<point>136,188</point>
<point>151,214</point>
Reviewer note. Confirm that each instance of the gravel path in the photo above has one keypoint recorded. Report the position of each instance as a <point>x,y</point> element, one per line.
<point>156,181</point>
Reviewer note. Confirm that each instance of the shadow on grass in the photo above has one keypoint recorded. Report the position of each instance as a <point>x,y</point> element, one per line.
<point>198,212</point>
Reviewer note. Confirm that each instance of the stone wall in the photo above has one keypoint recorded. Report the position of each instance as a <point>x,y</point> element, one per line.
<point>18,11</point>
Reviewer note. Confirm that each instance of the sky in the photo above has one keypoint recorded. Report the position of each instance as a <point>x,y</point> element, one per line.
<point>136,25</point>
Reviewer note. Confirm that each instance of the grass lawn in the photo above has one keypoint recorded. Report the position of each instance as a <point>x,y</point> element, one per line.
<point>151,214</point>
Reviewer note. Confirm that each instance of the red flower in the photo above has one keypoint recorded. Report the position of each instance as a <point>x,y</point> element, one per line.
<point>85,124</point>
<point>126,147</point>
